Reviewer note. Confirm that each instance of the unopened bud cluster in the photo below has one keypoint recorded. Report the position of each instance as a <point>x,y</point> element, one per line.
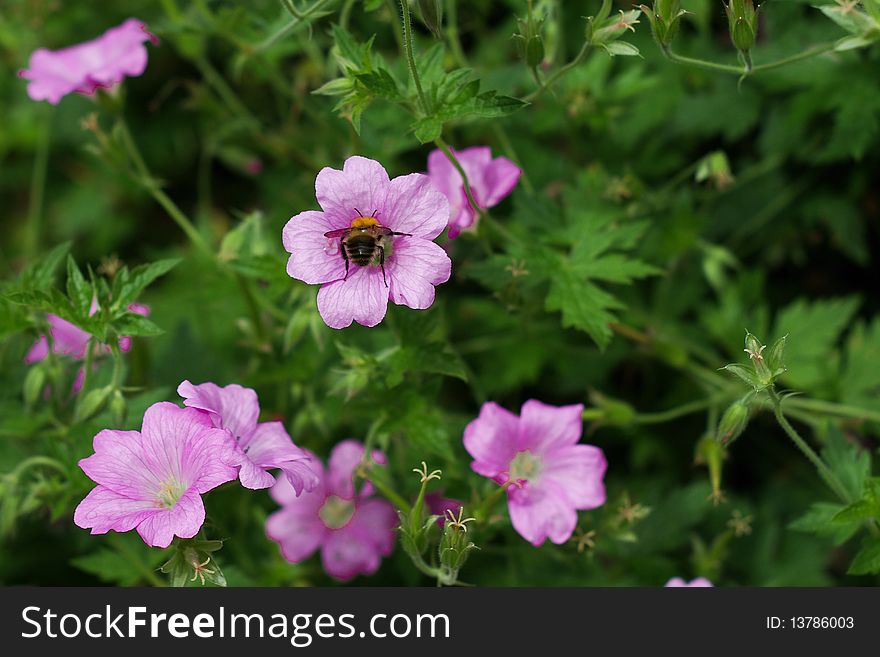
<point>742,21</point>
<point>664,17</point>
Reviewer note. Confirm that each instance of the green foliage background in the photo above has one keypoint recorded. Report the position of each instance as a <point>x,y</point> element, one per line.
<point>621,273</point>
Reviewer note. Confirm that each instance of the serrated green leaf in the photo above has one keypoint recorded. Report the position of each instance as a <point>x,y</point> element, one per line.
<point>867,561</point>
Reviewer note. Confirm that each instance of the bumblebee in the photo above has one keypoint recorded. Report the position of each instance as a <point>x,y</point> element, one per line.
<point>364,242</point>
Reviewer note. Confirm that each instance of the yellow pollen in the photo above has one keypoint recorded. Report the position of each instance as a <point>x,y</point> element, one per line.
<point>364,222</point>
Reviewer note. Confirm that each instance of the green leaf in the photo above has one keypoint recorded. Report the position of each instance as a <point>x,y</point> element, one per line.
<point>128,286</point>
<point>745,373</point>
<point>134,325</point>
<point>79,290</point>
<point>123,560</point>
<point>867,561</point>
<point>427,129</point>
<point>40,275</point>
<point>818,520</point>
<point>851,464</point>
<point>813,330</point>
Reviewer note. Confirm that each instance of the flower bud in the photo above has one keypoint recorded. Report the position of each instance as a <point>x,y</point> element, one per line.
<point>742,21</point>
<point>664,17</point>
<point>431,14</point>
<point>33,384</point>
<point>455,545</point>
<point>734,421</point>
<point>529,42</point>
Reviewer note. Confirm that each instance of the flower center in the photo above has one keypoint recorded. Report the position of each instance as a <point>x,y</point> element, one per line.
<point>169,493</point>
<point>525,465</point>
<point>336,512</point>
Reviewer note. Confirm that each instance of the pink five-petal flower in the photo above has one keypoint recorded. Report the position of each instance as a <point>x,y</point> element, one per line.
<point>70,340</point>
<point>152,480</point>
<point>490,180</point>
<point>85,67</point>
<point>260,447</point>
<point>352,529</point>
<point>414,264</point>
<point>678,582</point>
<point>550,475</point>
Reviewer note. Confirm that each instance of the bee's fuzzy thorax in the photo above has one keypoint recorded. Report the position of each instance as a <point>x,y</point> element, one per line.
<point>364,222</point>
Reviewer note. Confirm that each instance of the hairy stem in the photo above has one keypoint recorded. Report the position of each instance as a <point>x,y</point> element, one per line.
<point>549,82</point>
<point>825,472</point>
<point>410,58</point>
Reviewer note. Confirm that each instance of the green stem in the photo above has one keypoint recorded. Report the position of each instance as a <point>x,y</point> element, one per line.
<point>443,146</point>
<point>410,58</point>
<point>38,188</point>
<point>391,495</point>
<point>825,472</point>
<point>34,461</point>
<point>147,180</point>
<point>87,366</point>
<point>679,411</point>
<point>700,63</point>
<point>452,33</point>
<point>549,82</point>
<point>490,500</point>
<point>806,54</point>
<point>831,408</point>
<point>748,69</point>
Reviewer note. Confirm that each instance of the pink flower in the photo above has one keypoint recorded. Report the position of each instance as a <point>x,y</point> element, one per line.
<point>490,180</point>
<point>352,530</point>
<point>70,340</point>
<point>152,480</point>
<point>678,582</point>
<point>85,67</point>
<point>360,203</point>
<point>259,447</point>
<point>439,505</point>
<point>550,475</point>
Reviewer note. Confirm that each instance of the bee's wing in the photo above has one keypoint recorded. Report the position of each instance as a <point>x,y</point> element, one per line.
<point>341,232</point>
<point>382,231</point>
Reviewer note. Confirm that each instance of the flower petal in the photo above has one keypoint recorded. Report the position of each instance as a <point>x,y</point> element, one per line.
<point>185,520</point>
<point>361,186</point>
<point>182,444</point>
<point>103,510</point>
<point>414,205</point>
<point>375,520</point>
<point>314,258</point>
<point>270,447</point>
<point>491,439</point>
<point>543,427</point>
<point>297,529</point>
<point>578,470</point>
<point>416,266</point>
<point>499,179</point>
<point>119,464</point>
<point>284,493</point>
<point>344,459</point>
<point>232,407</point>
<point>362,298</point>
<point>345,554</point>
<point>540,512</point>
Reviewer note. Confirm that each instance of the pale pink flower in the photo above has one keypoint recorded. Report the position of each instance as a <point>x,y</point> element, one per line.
<point>549,475</point>
<point>404,214</point>
<point>490,181</point>
<point>260,446</point>
<point>352,529</point>
<point>152,480</point>
<point>85,67</point>
<point>678,582</point>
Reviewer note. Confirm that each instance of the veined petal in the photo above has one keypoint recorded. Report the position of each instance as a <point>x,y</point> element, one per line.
<point>414,205</point>
<point>231,407</point>
<point>314,258</point>
<point>185,520</point>
<point>361,186</point>
<point>540,512</point>
<point>103,510</point>
<point>544,427</point>
<point>578,470</point>
<point>491,439</point>
<point>417,265</point>
<point>362,298</point>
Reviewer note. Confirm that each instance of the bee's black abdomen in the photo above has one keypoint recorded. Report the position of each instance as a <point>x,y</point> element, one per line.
<point>361,249</point>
